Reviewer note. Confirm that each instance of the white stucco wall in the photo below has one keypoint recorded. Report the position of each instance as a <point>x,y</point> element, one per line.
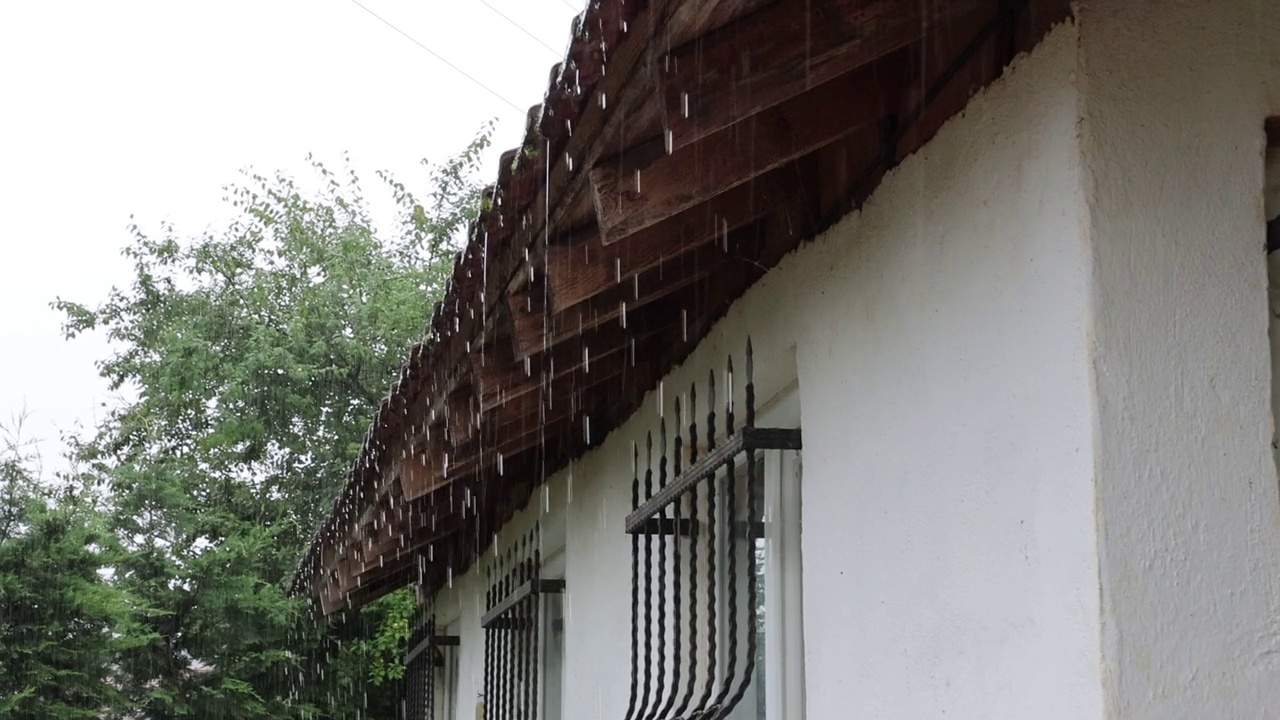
<point>944,380</point>
<point>940,339</point>
<point>1174,96</point>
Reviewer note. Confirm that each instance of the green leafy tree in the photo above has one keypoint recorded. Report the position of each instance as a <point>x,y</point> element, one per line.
<point>62,623</point>
<point>254,356</point>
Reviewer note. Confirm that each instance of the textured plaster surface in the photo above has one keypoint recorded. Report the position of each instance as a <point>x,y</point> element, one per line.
<point>944,377</point>
<point>1173,99</point>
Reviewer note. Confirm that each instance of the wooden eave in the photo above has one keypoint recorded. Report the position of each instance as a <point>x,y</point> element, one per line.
<point>682,149</point>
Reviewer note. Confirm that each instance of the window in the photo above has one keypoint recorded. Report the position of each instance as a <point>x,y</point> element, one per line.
<point>523,635</point>
<point>1271,205</point>
<point>447,680</point>
<point>430,684</point>
<point>553,657</point>
<point>783,647</point>
<point>777,690</point>
<point>714,544</point>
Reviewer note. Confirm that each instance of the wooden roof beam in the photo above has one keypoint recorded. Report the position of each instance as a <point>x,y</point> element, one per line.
<point>560,360</point>
<point>461,417</point>
<point>583,270</point>
<point>527,404</point>
<point>635,193</point>
<point>407,544</point>
<point>526,429</point>
<point>784,49</point>
<point>537,332</point>
<point>419,470</point>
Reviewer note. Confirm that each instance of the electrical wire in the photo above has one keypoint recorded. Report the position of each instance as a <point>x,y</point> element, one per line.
<point>522,29</point>
<point>437,56</point>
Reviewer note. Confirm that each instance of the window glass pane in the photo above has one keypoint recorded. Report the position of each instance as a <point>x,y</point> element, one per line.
<point>451,682</point>
<point>553,656</point>
<point>761,638</point>
<point>752,706</point>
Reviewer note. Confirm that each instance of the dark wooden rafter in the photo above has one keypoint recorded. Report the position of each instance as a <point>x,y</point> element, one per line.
<point>410,530</point>
<point>518,378</point>
<point>572,121</point>
<point>538,330</point>
<point>396,558</point>
<point>776,53</point>
<point>419,469</point>
<point>633,192</point>
<point>584,267</point>
<point>460,420</point>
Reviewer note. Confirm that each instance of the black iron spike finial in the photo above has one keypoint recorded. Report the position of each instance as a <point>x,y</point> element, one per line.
<point>648,458</point>
<point>648,592</point>
<point>693,423</point>
<point>520,622</point>
<point>753,514</point>
<point>537,546</point>
<point>489,644</point>
<point>662,453</point>
<point>693,627</point>
<point>522,554</point>
<point>711,410</point>
<point>713,627</point>
<point>679,444</point>
<point>512,634</point>
<point>635,588</point>
<point>535,600</point>
<point>662,573</point>
<point>676,567</point>
<point>728,401</point>
<point>733,611</point>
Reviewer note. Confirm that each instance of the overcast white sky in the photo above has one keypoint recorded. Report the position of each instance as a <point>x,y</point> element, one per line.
<point>109,109</point>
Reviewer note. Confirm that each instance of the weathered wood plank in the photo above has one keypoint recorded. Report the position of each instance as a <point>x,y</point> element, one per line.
<point>782,50</point>
<point>539,332</point>
<point>419,472</point>
<point>514,380</point>
<point>631,195</point>
<point>582,270</point>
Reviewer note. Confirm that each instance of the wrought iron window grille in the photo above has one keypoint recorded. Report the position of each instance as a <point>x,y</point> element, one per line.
<point>511,627</point>
<point>678,669</point>
<point>422,662</point>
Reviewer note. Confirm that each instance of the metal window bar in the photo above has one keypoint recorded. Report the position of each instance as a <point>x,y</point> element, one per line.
<point>422,663</point>
<point>510,622</point>
<point>697,517</point>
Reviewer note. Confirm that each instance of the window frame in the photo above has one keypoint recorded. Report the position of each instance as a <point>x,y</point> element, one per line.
<point>553,568</point>
<point>544,548</point>
<point>783,670</point>
<point>448,676</point>
<point>727,532</point>
<point>784,588</point>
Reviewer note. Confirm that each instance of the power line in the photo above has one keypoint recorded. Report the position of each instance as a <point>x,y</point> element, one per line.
<point>437,56</point>
<point>522,29</point>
